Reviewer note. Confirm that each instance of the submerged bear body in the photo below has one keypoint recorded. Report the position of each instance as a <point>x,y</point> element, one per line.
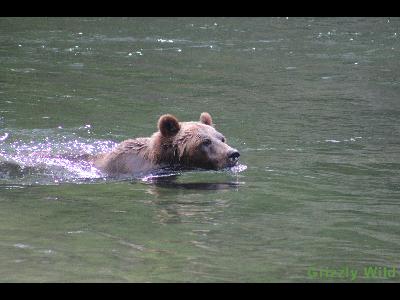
<point>176,145</point>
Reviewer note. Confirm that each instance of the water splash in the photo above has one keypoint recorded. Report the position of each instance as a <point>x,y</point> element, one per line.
<point>48,157</point>
<point>4,137</point>
<point>238,168</point>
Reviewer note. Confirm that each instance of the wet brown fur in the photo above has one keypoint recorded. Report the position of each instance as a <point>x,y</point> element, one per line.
<point>174,145</point>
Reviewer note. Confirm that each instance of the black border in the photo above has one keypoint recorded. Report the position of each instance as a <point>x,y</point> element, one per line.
<point>214,8</point>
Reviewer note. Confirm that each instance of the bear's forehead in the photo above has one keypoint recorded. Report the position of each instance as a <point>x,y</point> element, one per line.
<point>197,126</point>
<point>199,129</point>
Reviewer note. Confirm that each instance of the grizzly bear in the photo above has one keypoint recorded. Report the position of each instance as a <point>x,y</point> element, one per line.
<point>176,145</point>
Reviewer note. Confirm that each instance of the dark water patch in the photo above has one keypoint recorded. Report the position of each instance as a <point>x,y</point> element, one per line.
<point>170,182</point>
<point>350,169</point>
<point>10,170</point>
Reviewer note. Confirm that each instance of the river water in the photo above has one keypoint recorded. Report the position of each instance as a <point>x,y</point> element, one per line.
<point>312,104</point>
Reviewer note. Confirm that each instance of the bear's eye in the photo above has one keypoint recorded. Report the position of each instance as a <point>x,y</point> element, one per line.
<point>223,139</point>
<point>206,142</point>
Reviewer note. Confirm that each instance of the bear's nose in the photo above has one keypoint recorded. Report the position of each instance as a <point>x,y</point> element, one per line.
<point>233,154</point>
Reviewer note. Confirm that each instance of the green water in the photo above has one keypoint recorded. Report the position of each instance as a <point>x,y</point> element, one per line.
<point>312,104</point>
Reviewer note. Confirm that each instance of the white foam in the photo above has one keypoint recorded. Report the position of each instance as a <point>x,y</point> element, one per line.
<point>238,168</point>
<point>4,137</point>
<point>22,246</point>
<point>332,141</point>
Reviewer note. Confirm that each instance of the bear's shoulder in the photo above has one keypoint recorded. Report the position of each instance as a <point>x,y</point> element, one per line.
<point>132,145</point>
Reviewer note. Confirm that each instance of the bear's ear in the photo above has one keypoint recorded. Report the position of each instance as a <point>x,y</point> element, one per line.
<point>168,125</point>
<point>205,118</point>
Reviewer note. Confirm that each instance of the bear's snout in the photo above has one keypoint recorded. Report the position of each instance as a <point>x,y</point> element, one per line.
<point>233,155</point>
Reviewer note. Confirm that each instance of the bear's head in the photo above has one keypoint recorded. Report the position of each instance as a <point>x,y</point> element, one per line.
<point>194,144</point>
